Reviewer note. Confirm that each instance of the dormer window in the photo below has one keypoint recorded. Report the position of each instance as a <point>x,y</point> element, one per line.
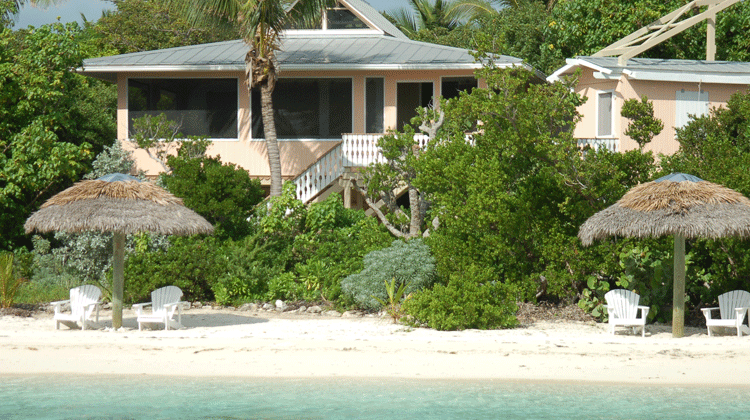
<point>337,17</point>
<point>343,18</point>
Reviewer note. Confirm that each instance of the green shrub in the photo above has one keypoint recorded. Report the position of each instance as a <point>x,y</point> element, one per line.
<point>9,280</point>
<point>409,263</point>
<point>473,299</point>
<point>191,263</point>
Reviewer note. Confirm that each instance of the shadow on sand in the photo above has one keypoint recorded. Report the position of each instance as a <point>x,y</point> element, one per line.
<point>207,320</point>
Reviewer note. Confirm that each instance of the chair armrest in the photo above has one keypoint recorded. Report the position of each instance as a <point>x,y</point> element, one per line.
<point>138,307</point>
<point>58,304</point>
<point>741,312</point>
<point>644,311</point>
<point>707,312</point>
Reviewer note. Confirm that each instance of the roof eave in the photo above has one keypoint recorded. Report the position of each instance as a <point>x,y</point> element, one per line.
<point>665,76</point>
<point>572,63</point>
<point>110,72</point>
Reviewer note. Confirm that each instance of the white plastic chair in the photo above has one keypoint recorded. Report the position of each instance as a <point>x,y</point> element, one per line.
<point>164,303</point>
<point>622,306</point>
<point>84,304</point>
<point>733,307</point>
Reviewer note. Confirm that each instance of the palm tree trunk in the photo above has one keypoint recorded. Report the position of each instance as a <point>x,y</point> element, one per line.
<point>272,144</point>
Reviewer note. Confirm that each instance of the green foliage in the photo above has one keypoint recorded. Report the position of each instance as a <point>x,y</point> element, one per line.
<point>50,121</point>
<point>191,263</point>
<point>471,299</point>
<point>396,297</point>
<point>643,127</point>
<point>300,255</point>
<point>113,159</point>
<point>409,263</point>
<point>716,147</point>
<point>224,194</point>
<point>9,281</point>
<point>142,25</point>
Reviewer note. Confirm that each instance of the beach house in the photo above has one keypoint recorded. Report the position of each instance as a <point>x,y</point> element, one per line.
<point>679,89</point>
<point>341,86</point>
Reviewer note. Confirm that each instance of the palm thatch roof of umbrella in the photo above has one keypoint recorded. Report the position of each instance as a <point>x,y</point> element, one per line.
<point>126,206</point>
<point>680,205</point>
<point>690,207</point>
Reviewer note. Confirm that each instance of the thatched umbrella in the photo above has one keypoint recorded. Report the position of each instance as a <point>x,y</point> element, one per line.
<point>681,205</point>
<point>120,204</point>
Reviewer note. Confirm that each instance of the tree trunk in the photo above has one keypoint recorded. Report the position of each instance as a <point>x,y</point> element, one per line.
<point>269,129</point>
<point>415,225</point>
<point>118,264</point>
<point>678,295</point>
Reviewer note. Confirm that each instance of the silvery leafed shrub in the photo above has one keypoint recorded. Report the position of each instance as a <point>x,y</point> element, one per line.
<point>407,262</point>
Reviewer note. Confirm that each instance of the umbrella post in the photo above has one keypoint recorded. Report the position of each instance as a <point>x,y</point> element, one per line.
<point>678,296</point>
<point>118,278</point>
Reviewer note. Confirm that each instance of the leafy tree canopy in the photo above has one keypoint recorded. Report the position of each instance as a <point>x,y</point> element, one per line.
<point>142,25</point>
<point>52,121</point>
<point>222,193</point>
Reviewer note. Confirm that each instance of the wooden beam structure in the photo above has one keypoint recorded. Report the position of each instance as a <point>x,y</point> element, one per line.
<point>666,27</point>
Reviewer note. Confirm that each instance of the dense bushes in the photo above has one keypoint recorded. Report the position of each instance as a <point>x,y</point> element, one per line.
<point>408,263</point>
<point>191,263</point>
<point>471,299</point>
<point>298,252</point>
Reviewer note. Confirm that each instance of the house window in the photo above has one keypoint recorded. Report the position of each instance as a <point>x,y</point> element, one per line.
<point>374,104</point>
<point>604,114</point>
<point>689,104</point>
<point>450,87</point>
<point>202,107</point>
<point>409,97</point>
<point>343,18</point>
<point>307,108</point>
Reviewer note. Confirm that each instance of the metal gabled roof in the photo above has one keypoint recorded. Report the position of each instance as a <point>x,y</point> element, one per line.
<point>373,16</point>
<point>298,52</point>
<point>656,69</point>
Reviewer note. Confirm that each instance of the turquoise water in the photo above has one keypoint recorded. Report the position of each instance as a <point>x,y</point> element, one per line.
<point>61,397</point>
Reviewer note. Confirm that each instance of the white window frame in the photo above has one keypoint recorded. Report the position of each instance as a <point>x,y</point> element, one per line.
<point>611,134</point>
<point>222,139</point>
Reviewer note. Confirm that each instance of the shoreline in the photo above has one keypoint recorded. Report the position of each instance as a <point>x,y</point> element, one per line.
<point>223,343</point>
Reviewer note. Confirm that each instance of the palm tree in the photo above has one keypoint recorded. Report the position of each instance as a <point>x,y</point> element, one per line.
<point>448,14</point>
<point>259,22</point>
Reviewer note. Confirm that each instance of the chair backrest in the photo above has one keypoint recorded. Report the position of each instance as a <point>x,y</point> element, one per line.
<point>164,296</point>
<point>624,303</point>
<point>83,295</point>
<point>730,300</point>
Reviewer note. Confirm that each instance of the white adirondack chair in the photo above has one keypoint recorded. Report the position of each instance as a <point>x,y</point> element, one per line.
<point>733,307</point>
<point>622,306</point>
<point>84,304</point>
<point>164,303</point>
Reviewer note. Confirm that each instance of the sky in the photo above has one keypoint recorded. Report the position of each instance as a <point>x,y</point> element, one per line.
<point>71,10</point>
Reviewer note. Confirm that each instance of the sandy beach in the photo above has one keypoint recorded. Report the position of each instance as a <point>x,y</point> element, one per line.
<point>233,343</point>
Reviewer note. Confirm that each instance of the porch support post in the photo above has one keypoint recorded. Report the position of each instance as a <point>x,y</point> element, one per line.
<point>711,38</point>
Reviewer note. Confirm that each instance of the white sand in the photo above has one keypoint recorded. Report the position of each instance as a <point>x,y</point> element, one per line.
<point>229,343</point>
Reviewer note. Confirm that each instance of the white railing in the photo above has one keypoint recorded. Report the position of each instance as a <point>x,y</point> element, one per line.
<point>610,144</point>
<point>320,174</point>
<point>362,149</point>
<point>355,150</point>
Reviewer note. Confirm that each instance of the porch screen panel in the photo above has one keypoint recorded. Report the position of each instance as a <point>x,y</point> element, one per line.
<point>202,107</point>
<point>374,104</point>
<point>604,112</point>
<point>689,104</point>
<point>307,108</point>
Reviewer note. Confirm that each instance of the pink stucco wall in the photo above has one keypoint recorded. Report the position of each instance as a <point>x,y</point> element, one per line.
<point>296,155</point>
<point>663,96</point>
